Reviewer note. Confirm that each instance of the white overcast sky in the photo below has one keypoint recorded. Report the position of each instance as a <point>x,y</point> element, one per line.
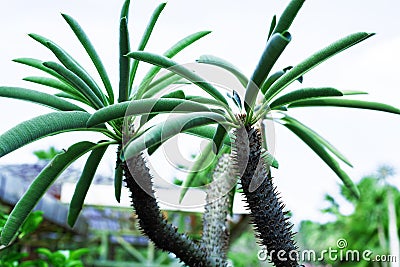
<point>367,138</point>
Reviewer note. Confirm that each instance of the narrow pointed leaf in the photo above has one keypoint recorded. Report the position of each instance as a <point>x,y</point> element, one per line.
<point>84,40</point>
<point>39,127</point>
<point>269,159</point>
<point>305,94</point>
<point>82,187</point>
<point>77,82</point>
<point>124,62</point>
<point>155,89</point>
<point>45,42</point>
<point>273,50</point>
<point>203,159</point>
<point>324,155</point>
<point>74,67</point>
<point>288,16</point>
<point>353,92</point>
<point>166,63</point>
<point>50,82</point>
<point>174,94</point>
<point>272,26</point>
<point>143,106</point>
<point>53,83</point>
<point>347,103</point>
<point>38,64</point>
<point>118,177</point>
<point>125,9</point>
<point>166,75</point>
<point>145,39</point>
<point>222,63</point>
<point>270,80</point>
<point>218,138</point>
<point>38,98</point>
<point>38,188</point>
<point>317,138</point>
<point>73,97</point>
<point>170,53</point>
<point>163,131</point>
<point>314,61</point>
<point>204,100</point>
<point>207,132</point>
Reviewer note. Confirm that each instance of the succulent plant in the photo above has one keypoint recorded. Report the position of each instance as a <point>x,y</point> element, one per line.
<point>125,124</point>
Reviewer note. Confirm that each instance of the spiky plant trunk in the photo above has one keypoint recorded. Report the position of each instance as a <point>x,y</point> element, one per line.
<point>164,235</point>
<point>271,222</point>
<point>215,237</point>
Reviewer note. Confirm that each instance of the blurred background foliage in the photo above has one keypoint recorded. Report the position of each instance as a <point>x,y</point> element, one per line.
<point>373,225</point>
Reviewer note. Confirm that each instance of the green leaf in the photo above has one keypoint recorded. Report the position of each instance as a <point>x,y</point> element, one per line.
<point>305,94</point>
<point>222,63</point>
<point>324,155</point>
<point>170,53</point>
<point>156,87</point>
<point>288,16</point>
<point>207,132</point>
<point>314,61</point>
<point>272,26</point>
<point>78,253</point>
<point>273,50</point>
<point>73,97</point>
<point>84,40</point>
<point>39,127</point>
<point>143,106</point>
<point>145,39</point>
<point>44,251</point>
<point>38,188</point>
<point>53,83</point>
<point>270,80</point>
<point>218,138</point>
<point>125,10</point>
<point>166,63</point>
<point>317,138</point>
<point>174,94</point>
<point>45,41</point>
<point>124,62</point>
<point>204,100</point>
<point>74,67</point>
<point>173,126</point>
<point>32,222</point>
<point>82,187</point>
<point>353,92</point>
<point>347,103</point>
<point>38,98</point>
<point>118,177</point>
<point>38,64</point>
<point>77,82</point>
<point>269,159</point>
<point>204,159</point>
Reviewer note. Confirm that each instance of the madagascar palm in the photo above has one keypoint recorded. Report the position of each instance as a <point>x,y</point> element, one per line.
<point>116,121</point>
<point>248,146</point>
<point>75,83</point>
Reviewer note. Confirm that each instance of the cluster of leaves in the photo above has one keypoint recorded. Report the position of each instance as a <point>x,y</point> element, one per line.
<point>75,83</point>
<point>30,225</point>
<point>47,154</point>
<point>12,256</point>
